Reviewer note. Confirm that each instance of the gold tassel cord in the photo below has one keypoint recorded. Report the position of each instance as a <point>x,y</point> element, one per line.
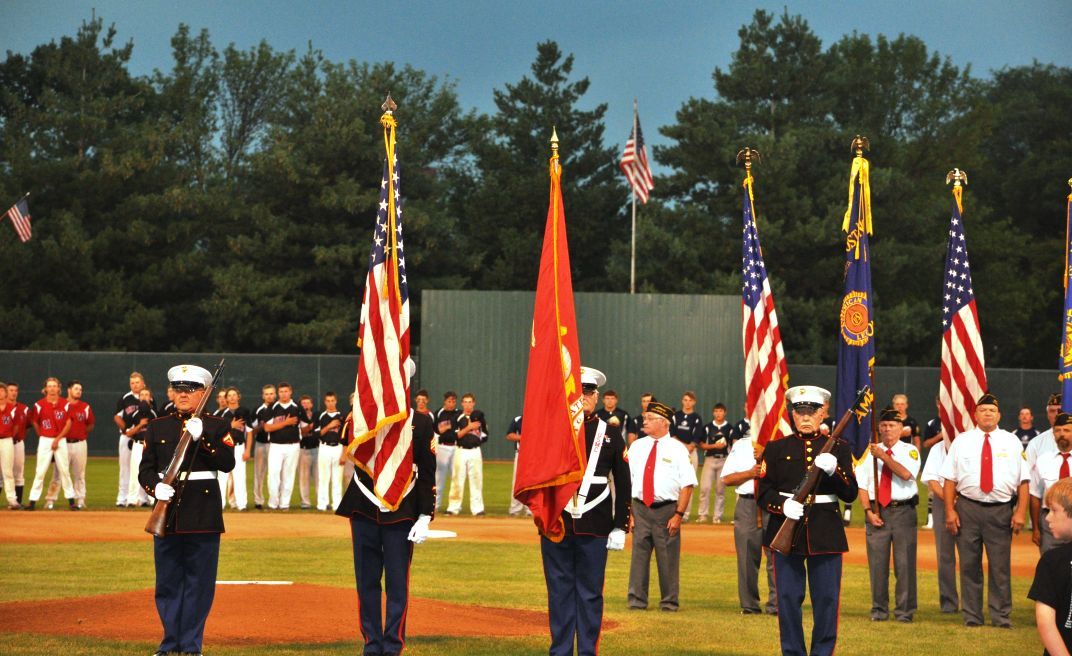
<point>389,124</point>
<point>861,169</point>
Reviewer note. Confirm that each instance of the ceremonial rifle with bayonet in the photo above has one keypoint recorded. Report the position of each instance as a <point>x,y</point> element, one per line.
<point>157,523</point>
<point>783,540</point>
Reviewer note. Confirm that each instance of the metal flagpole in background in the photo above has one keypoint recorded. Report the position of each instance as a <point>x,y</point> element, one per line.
<point>632,189</point>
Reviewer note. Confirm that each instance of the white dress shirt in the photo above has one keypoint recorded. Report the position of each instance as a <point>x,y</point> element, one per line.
<point>935,458</point>
<point>1040,445</point>
<point>905,455</point>
<point>1046,472</point>
<point>741,459</point>
<point>962,465</point>
<point>673,470</point>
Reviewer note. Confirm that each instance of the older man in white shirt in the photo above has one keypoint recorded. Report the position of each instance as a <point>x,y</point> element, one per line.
<point>741,469</point>
<point>984,472</point>
<point>945,543</point>
<point>1049,468</point>
<point>662,478</point>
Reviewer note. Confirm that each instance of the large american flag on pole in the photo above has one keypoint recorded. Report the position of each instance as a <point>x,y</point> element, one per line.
<point>383,426</point>
<point>963,372</point>
<point>20,219</point>
<point>635,162</point>
<point>766,374</point>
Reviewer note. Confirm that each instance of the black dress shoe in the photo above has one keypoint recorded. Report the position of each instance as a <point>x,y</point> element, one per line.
<point>32,506</point>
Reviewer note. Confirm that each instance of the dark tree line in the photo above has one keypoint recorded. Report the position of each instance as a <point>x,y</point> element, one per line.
<point>227,203</point>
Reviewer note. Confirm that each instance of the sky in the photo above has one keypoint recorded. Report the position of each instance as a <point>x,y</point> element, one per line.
<point>661,53</point>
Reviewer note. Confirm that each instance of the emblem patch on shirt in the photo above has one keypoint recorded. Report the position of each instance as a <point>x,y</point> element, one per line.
<point>763,469</point>
<point>913,454</point>
<point>228,441</point>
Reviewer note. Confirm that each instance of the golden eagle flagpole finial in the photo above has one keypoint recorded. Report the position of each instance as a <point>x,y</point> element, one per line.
<point>859,145</point>
<point>746,155</point>
<point>957,177</point>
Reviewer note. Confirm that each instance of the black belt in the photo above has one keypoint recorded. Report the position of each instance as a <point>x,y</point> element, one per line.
<point>746,496</point>
<point>716,455</point>
<point>914,501</point>
<point>471,447</point>
<point>988,504</point>
<point>330,443</point>
<point>657,504</point>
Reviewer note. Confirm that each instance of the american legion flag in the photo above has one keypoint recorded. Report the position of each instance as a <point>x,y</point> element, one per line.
<point>635,162</point>
<point>766,374</point>
<point>856,328</point>
<point>383,425</point>
<point>963,371</point>
<point>1065,364</point>
<point>20,219</point>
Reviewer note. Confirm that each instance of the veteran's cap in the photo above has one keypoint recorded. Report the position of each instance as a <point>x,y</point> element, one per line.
<point>1055,399</point>
<point>987,399</point>
<point>661,409</point>
<point>188,377</point>
<point>889,414</point>
<point>1063,419</point>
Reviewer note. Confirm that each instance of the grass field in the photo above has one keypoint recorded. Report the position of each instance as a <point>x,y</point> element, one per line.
<point>486,572</point>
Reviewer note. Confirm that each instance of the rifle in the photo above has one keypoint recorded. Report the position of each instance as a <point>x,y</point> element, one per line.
<point>783,540</point>
<point>157,523</point>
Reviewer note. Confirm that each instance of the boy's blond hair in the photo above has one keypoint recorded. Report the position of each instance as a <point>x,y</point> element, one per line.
<point>1060,494</point>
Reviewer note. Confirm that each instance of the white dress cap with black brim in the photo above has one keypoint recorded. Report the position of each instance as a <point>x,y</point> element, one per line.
<point>189,377</point>
<point>592,378</point>
<point>807,395</point>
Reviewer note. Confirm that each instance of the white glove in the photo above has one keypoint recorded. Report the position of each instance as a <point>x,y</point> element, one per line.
<point>826,462</point>
<point>163,492</point>
<point>194,427</point>
<point>616,540</point>
<point>419,532</point>
<point>792,508</point>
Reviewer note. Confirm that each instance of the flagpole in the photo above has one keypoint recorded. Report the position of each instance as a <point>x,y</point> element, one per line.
<point>632,256</point>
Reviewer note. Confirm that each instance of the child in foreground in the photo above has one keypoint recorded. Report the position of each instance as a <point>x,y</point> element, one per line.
<point>1052,588</point>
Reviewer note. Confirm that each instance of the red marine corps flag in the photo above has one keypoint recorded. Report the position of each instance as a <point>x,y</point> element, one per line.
<point>551,460</point>
<point>382,425</point>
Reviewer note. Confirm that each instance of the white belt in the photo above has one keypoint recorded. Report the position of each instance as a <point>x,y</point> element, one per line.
<point>818,498</point>
<point>372,497</point>
<point>588,505</point>
<point>195,476</point>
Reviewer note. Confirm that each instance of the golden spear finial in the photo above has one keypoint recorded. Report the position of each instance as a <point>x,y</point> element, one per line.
<point>389,105</point>
<point>554,140</point>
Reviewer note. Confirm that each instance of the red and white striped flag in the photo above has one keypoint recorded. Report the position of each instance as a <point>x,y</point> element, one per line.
<point>766,374</point>
<point>963,372</point>
<point>382,421</point>
<point>635,162</point>
<point>20,219</point>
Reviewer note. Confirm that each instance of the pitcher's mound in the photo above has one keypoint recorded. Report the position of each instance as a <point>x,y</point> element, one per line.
<point>262,614</point>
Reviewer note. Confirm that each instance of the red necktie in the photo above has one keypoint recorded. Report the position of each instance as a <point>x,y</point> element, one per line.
<point>885,483</point>
<point>1064,466</point>
<point>649,476</point>
<point>986,471</point>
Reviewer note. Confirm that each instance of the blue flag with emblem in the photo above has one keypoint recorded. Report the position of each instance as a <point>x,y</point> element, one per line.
<point>856,328</point>
<point>1065,364</point>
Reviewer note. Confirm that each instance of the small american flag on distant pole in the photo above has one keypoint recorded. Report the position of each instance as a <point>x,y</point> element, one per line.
<point>635,161</point>
<point>963,372</point>
<point>766,374</point>
<point>20,218</point>
<point>638,172</point>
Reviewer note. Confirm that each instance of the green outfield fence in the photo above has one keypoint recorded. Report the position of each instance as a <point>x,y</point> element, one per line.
<point>476,341</point>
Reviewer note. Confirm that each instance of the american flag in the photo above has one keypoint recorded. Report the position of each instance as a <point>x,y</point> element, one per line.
<point>635,162</point>
<point>20,218</point>
<point>766,374</point>
<point>383,426</point>
<point>963,373</point>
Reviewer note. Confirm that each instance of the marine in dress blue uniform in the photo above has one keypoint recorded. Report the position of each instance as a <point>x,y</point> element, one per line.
<point>815,558</point>
<point>574,568</point>
<point>383,543</point>
<point>187,556</point>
